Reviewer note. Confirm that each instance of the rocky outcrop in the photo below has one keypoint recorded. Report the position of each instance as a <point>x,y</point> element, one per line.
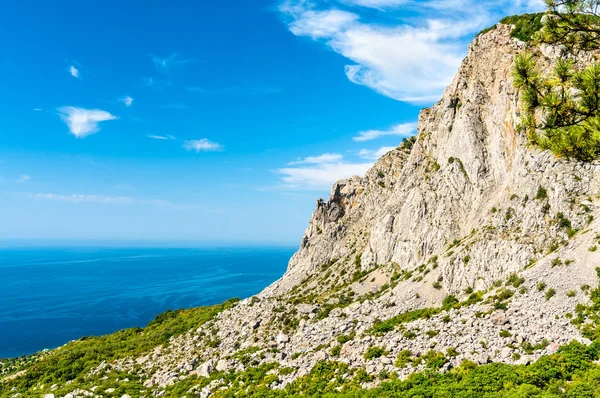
<point>470,174</point>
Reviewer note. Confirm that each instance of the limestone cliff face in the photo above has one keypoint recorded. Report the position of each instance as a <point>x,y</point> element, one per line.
<point>470,176</point>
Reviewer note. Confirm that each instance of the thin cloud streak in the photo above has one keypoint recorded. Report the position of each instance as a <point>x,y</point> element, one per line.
<point>81,199</point>
<point>321,159</point>
<point>376,153</point>
<point>202,145</point>
<point>401,130</point>
<point>164,64</point>
<point>161,137</point>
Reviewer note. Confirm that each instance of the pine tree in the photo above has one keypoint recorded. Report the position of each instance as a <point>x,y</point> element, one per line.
<point>562,109</point>
<point>572,23</point>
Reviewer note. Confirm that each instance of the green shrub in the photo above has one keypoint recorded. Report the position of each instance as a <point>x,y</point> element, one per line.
<point>403,359</point>
<point>514,280</point>
<point>432,333</point>
<point>541,193</point>
<point>374,352</point>
<point>526,25</point>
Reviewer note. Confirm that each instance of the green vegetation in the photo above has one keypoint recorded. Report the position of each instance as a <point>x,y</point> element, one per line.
<point>526,25</point>
<point>408,143</point>
<point>541,193</point>
<point>568,101</point>
<point>505,333</point>
<point>382,327</point>
<point>374,352</point>
<point>515,280</point>
<point>571,372</point>
<point>574,24</point>
<point>562,107</point>
<point>403,359</point>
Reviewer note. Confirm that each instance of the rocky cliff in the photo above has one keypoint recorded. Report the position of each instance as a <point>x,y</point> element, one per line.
<point>468,206</point>
<point>464,241</point>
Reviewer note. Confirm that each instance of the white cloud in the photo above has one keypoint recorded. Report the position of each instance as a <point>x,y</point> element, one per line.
<point>374,154</point>
<point>324,158</point>
<point>202,145</point>
<point>161,137</point>
<point>322,176</point>
<point>23,178</point>
<point>126,100</point>
<point>38,110</point>
<point>74,71</point>
<point>402,130</point>
<point>320,172</point>
<point>83,122</point>
<point>411,51</point>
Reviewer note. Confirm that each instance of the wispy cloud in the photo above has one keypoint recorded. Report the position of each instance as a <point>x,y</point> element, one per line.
<point>402,130</point>
<point>126,100</point>
<point>83,122</point>
<point>319,172</point>
<point>74,71</point>
<point>38,110</point>
<point>164,64</point>
<point>324,158</point>
<point>252,90</point>
<point>203,145</point>
<point>157,84</point>
<point>23,178</point>
<point>85,198</point>
<point>161,137</point>
<point>408,50</point>
<point>374,154</point>
<point>81,199</point>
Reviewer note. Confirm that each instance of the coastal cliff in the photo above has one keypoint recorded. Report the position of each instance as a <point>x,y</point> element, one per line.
<point>465,243</point>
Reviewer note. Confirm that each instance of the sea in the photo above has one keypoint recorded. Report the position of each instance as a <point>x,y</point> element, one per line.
<point>50,296</point>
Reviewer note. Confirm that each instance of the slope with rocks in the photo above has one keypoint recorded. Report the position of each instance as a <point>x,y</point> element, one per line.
<point>464,243</point>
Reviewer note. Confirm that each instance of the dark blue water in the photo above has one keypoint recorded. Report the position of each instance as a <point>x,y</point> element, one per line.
<point>51,296</point>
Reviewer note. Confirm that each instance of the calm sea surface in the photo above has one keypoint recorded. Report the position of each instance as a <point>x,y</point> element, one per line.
<point>51,296</point>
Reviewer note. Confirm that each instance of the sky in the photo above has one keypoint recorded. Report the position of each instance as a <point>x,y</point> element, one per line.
<point>208,121</point>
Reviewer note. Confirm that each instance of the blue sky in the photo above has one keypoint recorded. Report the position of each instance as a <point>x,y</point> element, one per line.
<point>210,121</point>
